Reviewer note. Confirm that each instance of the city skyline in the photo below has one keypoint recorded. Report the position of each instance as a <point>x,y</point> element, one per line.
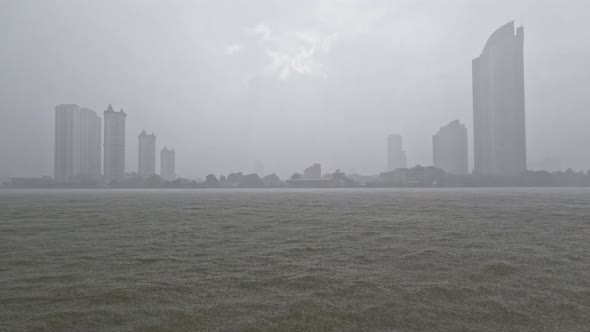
<point>499,126</point>
<point>79,147</point>
<point>231,105</point>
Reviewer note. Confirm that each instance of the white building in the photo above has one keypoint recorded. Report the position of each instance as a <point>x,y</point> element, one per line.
<point>167,164</point>
<point>396,156</point>
<point>147,154</point>
<point>498,104</point>
<point>450,148</point>
<point>77,144</point>
<point>114,145</point>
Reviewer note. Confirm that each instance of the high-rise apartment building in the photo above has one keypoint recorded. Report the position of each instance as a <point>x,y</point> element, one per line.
<point>167,164</point>
<point>450,148</point>
<point>77,144</point>
<point>114,145</point>
<point>499,105</point>
<point>147,154</point>
<point>396,156</point>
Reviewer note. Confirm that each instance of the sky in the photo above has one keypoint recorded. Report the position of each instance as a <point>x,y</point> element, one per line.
<point>286,83</point>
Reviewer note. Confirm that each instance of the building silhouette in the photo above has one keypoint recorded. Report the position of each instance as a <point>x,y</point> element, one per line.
<point>114,145</point>
<point>499,105</point>
<point>450,148</point>
<point>396,156</point>
<point>147,154</point>
<point>77,144</point>
<point>168,164</point>
<point>258,168</point>
<point>313,172</point>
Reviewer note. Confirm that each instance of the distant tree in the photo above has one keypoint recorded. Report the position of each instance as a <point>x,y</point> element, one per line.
<point>153,181</point>
<point>133,181</point>
<point>235,178</point>
<point>340,179</point>
<point>272,180</point>
<point>251,181</point>
<point>296,176</point>
<point>338,175</point>
<point>211,181</point>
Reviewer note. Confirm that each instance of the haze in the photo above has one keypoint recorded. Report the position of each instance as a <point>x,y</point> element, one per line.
<point>290,84</point>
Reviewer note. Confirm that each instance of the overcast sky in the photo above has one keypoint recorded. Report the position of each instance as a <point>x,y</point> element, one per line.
<point>289,83</point>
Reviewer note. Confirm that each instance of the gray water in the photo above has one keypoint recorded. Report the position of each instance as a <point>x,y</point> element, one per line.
<point>295,260</point>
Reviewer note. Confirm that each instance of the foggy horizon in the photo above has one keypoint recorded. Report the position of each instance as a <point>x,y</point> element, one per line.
<point>229,83</point>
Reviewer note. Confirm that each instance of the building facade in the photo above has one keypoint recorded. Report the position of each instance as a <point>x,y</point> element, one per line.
<point>114,145</point>
<point>499,104</point>
<point>77,144</point>
<point>450,148</point>
<point>168,164</point>
<point>147,154</point>
<point>313,172</point>
<point>396,156</point>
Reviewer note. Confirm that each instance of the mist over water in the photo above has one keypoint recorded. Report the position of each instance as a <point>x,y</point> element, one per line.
<point>295,260</point>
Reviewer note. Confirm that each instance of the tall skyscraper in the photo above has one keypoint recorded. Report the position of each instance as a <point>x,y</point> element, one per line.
<point>114,145</point>
<point>147,154</point>
<point>449,148</point>
<point>168,164</point>
<point>498,104</point>
<point>396,156</point>
<point>77,144</point>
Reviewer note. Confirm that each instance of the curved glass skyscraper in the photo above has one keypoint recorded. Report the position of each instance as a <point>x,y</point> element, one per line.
<point>498,104</point>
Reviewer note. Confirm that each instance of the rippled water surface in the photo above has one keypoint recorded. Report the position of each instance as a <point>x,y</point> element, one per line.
<point>295,260</point>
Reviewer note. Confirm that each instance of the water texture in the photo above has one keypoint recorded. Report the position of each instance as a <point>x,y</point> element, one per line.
<point>295,260</point>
